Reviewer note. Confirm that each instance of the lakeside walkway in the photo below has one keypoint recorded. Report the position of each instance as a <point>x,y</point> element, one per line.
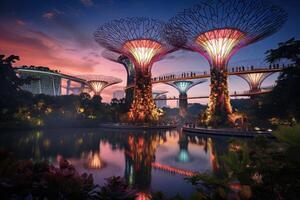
<point>134,127</point>
<point>226,132</point>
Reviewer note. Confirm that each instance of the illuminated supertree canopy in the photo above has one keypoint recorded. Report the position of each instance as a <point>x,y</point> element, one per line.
<point>183,155</point>
<point>140,40</point>
<point>255,80</point>
<point>217,29</point>
<point>183,87</point>
<point>98,82</point>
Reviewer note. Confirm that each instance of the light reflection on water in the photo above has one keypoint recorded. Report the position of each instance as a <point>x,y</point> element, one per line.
<point>149,160</point>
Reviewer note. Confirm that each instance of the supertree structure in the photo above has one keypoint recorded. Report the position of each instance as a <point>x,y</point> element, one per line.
<point>157,93</point>
<point>217,29</point>
<point>183,155</point>
<point>255,80</point>
<point>129,66</point>
<point>98,82</point>
<point>140,40</point>
<point>183,87</point>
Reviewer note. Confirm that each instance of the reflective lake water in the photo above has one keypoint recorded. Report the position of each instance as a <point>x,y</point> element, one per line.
<point>156,160</point>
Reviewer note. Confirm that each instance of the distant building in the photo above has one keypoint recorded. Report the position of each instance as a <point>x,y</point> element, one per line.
<point>161,103</point>
<point>119,94</point>
<point>44,80</point>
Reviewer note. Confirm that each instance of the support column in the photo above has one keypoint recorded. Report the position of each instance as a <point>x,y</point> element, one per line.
<point>68,86</point>
<point>81,87</point>
<point>40,85</point>
<point>129,97</point>
<point>183,104</point>
<point>130,91</point>
<point>53,86</point>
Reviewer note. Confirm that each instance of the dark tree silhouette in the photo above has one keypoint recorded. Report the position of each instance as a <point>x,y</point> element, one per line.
<point>9,81</point>
<point>286,50</point>
<point>284,100</point>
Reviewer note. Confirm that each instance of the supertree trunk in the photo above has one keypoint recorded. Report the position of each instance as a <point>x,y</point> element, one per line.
<point>219,107</point>
<point>129,93</point>
<point>143,108</point>
<point>183,104</point>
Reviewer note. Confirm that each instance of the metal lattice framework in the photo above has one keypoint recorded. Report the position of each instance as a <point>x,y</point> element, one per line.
<point>223,26</point>
<point>98,82</point>
<point>255,80</point>
<point>140,40</point>
<point>217,29</point>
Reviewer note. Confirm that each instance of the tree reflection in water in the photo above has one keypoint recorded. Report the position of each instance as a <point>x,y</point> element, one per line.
<point>134,153</point>
<point>139,154</point>
<point>94,160</point>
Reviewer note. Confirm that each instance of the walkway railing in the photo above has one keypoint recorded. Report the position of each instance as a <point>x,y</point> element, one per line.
<point>205,74</point>
<point>235,94</point>
<point>231,71</point>
<point>174,170</point>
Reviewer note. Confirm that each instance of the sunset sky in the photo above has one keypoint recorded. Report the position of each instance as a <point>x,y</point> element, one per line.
<point>59,35</point>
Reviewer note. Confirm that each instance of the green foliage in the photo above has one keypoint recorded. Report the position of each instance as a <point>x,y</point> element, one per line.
<point>260,169</point>
<point>286,50</point>
<point>116,189</point>
<point>283,101</point>
<point>25,179</point>
<point>289,135</point>
<point>28,180</point>
<point>9,81</point>
<point>20,109</point>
